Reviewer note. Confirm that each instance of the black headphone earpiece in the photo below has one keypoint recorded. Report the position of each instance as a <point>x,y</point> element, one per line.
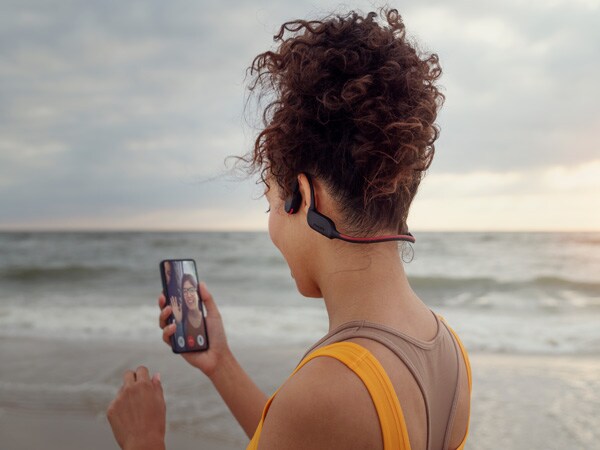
<point>294,200</point>
<point>325,226</point>
<point>316,220</point>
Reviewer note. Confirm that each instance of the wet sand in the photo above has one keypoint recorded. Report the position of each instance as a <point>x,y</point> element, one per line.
<point>54,394</point>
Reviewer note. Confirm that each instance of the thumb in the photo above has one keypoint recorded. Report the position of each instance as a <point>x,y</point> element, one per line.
<point>207,298</point>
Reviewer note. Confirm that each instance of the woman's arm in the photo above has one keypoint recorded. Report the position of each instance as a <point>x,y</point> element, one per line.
<point>241,395</point>
<point>244,399</point>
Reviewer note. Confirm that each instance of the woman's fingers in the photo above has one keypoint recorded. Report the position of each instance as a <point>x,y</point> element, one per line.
<point>164,314</point>
<point>207,298</point>
<point>128,377</point>
<point>142,374</point>
<point>168,331</point>
<point>137,414</point>
<point>166,311</point>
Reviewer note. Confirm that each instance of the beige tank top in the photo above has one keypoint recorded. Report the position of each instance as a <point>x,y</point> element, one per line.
<point>435,365</point>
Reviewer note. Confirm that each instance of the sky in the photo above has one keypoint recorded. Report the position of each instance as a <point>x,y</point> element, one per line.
<point>120,115</point>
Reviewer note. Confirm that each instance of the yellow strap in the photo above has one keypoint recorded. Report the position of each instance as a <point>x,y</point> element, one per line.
<point>369,370</point>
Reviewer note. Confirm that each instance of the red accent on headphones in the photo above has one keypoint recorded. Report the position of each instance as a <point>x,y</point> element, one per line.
<point>325,226</point>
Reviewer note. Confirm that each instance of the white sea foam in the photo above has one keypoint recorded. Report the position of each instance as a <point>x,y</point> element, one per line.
<point>505,332</point>
<point>259,324</point>
<point>500,331</point>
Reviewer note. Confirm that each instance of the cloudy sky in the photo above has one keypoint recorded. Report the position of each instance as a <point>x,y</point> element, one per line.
<point>119,115</point>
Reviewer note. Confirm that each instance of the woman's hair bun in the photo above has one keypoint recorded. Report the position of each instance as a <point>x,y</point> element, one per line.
<point>353,103</point>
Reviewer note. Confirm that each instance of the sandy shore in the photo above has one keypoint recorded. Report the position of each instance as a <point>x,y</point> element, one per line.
<point>53,395</point>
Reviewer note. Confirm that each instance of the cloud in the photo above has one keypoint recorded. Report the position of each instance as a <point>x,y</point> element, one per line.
<point>114,110</point>
<point>579,179</point>
<point>518,82</point>
<point>550,198</point>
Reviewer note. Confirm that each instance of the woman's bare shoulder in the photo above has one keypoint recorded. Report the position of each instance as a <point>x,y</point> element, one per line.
<point>323,406</point>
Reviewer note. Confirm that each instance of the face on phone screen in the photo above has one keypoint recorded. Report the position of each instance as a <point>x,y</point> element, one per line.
<point>180,285</point>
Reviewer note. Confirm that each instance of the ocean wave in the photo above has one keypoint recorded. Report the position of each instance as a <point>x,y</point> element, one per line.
<point>140,323</point>
<point>50,396</point>
<point>171,242</point>
<point>492,284</point>
<point>480,330</point>
<point>70,273</point>
<point>507,332</point>
<point>564,283</point>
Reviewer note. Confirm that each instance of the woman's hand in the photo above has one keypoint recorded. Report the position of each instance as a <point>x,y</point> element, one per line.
<point>207,361</point>
<point>176,307</point>
<point>137,415</point>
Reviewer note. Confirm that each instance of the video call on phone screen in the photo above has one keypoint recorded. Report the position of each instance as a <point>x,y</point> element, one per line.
<point>181,290</point>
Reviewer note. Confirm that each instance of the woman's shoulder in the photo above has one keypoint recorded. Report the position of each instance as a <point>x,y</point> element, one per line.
<point>323,403</point>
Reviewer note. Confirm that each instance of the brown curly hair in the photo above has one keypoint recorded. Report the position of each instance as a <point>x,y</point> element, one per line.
<point>354,105</point>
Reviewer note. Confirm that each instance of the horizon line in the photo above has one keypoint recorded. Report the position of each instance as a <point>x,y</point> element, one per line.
<point>256,230</point>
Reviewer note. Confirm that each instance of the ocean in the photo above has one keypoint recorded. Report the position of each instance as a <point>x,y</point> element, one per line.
<point>502,292</point>
<point>78,309</point>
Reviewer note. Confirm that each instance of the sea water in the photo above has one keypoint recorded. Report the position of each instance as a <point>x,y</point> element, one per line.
<point>502,292</point>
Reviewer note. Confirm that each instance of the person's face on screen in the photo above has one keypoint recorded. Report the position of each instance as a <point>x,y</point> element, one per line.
<point>168,271</point>
<point>190,295</point>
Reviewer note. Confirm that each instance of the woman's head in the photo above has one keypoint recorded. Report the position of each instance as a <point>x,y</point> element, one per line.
<point>354,106</point>
<point>168,271</point>
<point>189,289</point>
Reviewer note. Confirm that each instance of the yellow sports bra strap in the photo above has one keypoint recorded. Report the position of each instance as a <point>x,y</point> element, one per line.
<point>370,371</point>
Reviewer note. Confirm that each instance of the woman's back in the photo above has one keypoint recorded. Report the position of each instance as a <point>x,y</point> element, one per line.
<point>437,383</point>
<point>426,364</point>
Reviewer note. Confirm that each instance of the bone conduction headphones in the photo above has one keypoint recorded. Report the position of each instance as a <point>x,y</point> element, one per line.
<point>325,226</point>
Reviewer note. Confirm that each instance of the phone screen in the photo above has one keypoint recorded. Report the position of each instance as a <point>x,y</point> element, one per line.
<point>180,286</point>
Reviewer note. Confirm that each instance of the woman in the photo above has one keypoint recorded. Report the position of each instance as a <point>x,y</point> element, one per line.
<point>345,145</point>
<point>193,323</point>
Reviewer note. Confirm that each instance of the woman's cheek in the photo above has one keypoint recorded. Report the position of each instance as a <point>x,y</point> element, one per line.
<point>273,229</point>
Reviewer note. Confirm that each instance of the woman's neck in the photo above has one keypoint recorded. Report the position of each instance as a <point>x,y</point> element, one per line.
<point>195,316</point>
<point>367,286</point>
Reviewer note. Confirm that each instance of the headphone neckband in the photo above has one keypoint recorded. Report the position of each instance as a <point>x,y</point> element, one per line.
<point>325,226</point>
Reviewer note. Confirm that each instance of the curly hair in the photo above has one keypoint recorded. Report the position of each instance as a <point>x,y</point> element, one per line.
<point>354,105</point>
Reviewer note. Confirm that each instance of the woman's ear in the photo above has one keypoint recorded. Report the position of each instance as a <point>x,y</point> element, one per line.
<point>304,186</point>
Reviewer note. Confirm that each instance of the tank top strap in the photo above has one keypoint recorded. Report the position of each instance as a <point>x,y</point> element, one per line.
<point>462,350</point>
<point>336,335</point>
<point>468,367</point>
<point>362,362</point>
<point>372,334</point>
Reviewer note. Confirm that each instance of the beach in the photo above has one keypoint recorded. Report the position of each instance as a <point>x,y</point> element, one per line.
<point>77,309</point>
<point>54,395</point>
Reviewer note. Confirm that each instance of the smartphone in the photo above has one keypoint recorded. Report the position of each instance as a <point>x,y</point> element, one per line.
<point>180,286</point>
